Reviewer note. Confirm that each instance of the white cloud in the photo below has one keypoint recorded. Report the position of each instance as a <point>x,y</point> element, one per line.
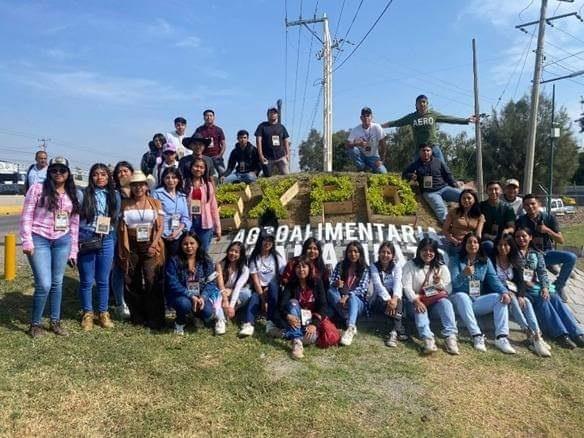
<point>190,42</point>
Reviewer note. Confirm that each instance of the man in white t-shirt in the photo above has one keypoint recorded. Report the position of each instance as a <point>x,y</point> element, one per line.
<point>176,137</point>
<point>366,144</point>
<point>511,197</point>
<point>37,173</point>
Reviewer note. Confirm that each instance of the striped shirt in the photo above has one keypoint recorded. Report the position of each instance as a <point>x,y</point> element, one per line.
<point>36,219</point>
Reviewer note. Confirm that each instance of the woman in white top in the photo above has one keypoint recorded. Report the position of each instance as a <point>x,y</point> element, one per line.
<point>232,279</point>
<point>265,268</point>
<point>386,277</point>
<point>426,284</point>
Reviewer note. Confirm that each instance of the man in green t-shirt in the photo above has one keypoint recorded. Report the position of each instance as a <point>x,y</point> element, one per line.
<point>423,122</point>
<point>499,217</point>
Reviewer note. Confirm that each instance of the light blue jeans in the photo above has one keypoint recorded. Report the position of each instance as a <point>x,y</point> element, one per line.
<point>48,263</point>
<point>242,300</point>
<point>469,309</point>
<point>444,310</point>
<point>564,258</point>
<point>236,177</point>
<point>524,317</point>
<point>555,316</point>
<point>438,199</point>
<point>364,162</point>
<point>355,306</point>
<point>206,235</point>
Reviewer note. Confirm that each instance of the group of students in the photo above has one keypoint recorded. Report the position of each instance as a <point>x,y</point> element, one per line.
<point>152,249</point>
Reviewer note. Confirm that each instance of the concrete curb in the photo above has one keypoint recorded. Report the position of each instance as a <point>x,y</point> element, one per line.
<point>9,210</point>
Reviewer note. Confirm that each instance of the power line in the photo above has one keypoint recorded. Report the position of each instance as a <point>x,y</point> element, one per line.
<point>365,36</point>
<point>296,75</point>
<point>339,21</point>
<point>308,62</point>
<point>563,59</point>
<point>317,103</point>
<point>286,53</point>
<point>564,50</point>
<point>523,66</point>
<point>344,40</point>
<point>569,34</point>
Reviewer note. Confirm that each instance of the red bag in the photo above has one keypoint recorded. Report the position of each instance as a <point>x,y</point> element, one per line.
<point>328,334</point>
<point>437,293</point>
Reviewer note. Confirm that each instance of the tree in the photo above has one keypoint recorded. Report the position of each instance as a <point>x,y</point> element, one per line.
<point>578,178</point>
<point>505,139</point>
<point>310,152</point>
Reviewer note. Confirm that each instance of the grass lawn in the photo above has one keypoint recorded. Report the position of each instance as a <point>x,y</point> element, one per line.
<point>574,234</point>
<point>132,382</point>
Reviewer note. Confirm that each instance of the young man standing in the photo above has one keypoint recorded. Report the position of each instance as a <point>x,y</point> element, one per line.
<point>546,232</point>
<point>37,173</point>
<point>176,137</point>
<point>499,217</point>
<point>366,144</point>
<point>272,141</point>
<point>244,160</point>
<point>423,122</point>
<point>511,196</point>
<point>215,134</point>
<point>435,180</point>
<point>197,145</point>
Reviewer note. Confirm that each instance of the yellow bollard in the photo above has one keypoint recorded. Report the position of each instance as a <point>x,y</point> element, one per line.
<point>10,257</point>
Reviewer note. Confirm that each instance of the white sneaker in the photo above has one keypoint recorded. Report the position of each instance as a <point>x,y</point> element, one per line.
<point>479,343</point>
<point>247,329</point>
<point>392,340</point>
<point>539,348</point>
<point>272,330</point>
<point>348,335</point>
<point>179,329</point>
<point>297,349</point>
<point>452,345</point>
<point>504,345</point>
<point>123,311</point>
<point>220,327</point>
<point>429,345</point>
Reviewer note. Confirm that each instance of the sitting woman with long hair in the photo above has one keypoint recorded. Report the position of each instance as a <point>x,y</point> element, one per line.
<point>311,248</point>
<point>465,218</point>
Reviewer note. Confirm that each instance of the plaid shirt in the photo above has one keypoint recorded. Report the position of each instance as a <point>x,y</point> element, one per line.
<point>39,220</point>
<point>360,287</point>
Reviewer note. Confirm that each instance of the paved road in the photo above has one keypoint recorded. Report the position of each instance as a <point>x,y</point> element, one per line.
<point>8,224</point>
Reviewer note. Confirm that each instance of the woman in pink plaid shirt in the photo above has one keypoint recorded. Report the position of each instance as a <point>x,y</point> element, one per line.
<point>49,229</point>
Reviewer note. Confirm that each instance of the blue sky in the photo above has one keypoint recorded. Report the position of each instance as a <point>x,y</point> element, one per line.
<point>101,77</point>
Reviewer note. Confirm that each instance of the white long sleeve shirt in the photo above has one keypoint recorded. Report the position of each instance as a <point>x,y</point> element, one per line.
<point>386,285</point>
<point>236,286</point>
<point>413,279</point>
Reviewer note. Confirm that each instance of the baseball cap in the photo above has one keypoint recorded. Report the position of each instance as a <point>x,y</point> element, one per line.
<point>273,108</point>
<point>366,111</point>
<point>512,182</point>
<point>169,147</point>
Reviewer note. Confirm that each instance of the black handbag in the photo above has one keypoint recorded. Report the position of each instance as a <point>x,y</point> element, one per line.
<point>94,243</point>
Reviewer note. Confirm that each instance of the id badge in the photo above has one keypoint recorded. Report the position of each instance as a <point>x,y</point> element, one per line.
<point>430,291</point>
<point>511,286</point>
<point>427,182</point>
<point>193,287</point>
<point>102,225</point>
<point>61,221</point>
<point>275,140</point>
<point>175,222</point>
<point>143,233</point>
<point>195,207</point>
<point>474,288</point>
<point>528,275</point>
<point>305,316</point>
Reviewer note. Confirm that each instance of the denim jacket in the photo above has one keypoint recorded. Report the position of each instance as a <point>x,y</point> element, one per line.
<point>534,260</point>
<point>483,271</point>
<point>176,279</point>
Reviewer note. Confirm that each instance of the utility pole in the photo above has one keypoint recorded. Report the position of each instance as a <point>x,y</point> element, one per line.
<point>530,158</point>
<point>554,133</point>
<point>327,83</point>
<point>478,139</point>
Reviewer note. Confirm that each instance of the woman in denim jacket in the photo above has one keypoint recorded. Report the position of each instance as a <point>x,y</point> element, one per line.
<point>555,317</point>
<point>476,291</point>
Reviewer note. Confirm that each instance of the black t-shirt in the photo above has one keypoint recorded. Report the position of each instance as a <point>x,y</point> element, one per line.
<point>273,136</point>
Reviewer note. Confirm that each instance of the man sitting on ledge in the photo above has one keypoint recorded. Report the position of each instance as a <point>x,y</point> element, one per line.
<point>435,180</point>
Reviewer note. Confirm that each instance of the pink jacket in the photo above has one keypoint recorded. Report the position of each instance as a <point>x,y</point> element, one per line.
<point>38,220</point>
<point>209,209</point>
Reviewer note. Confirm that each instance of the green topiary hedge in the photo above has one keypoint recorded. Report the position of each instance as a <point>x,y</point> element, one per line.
<point>345,190</point>
<point>377,202</point>
<point>272,190</point>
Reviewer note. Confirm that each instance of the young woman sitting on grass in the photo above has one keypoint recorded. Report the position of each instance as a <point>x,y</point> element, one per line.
<point>386,277</point>
<point>302,306</point>
<point>347,294</point>
<point>313,249</point>
<point>190,284</point>
<point>232,280</point>
<point>477,291</point>
<point>555,317</point>
<point>507,265</point>
<point>426,284</point>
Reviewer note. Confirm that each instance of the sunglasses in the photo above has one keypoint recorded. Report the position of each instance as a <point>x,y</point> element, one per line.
<point>60,170</point>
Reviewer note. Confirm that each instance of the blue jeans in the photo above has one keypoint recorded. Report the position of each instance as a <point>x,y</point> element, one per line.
<point>524,317</point>
<point>483,305</point>
<point>48,263</point>
<point>555,317</point>
<point>438,199</point>
<point>444,310</point>
<point>564,258</point>
<point>254,303</point>
<point>355,306</point>
<point>118,284</point>
<point>206,235</point>
<point>183,306</point>
<point>363,162</point>
<point>291,333</point>
<point>436,152</point>
<point>236,177</point>
<point>96,266</point>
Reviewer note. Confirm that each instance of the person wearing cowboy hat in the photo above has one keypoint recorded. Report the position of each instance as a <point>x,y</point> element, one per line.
<point>49,229</point>
<point>141,253</point>
<point>197,145</point>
